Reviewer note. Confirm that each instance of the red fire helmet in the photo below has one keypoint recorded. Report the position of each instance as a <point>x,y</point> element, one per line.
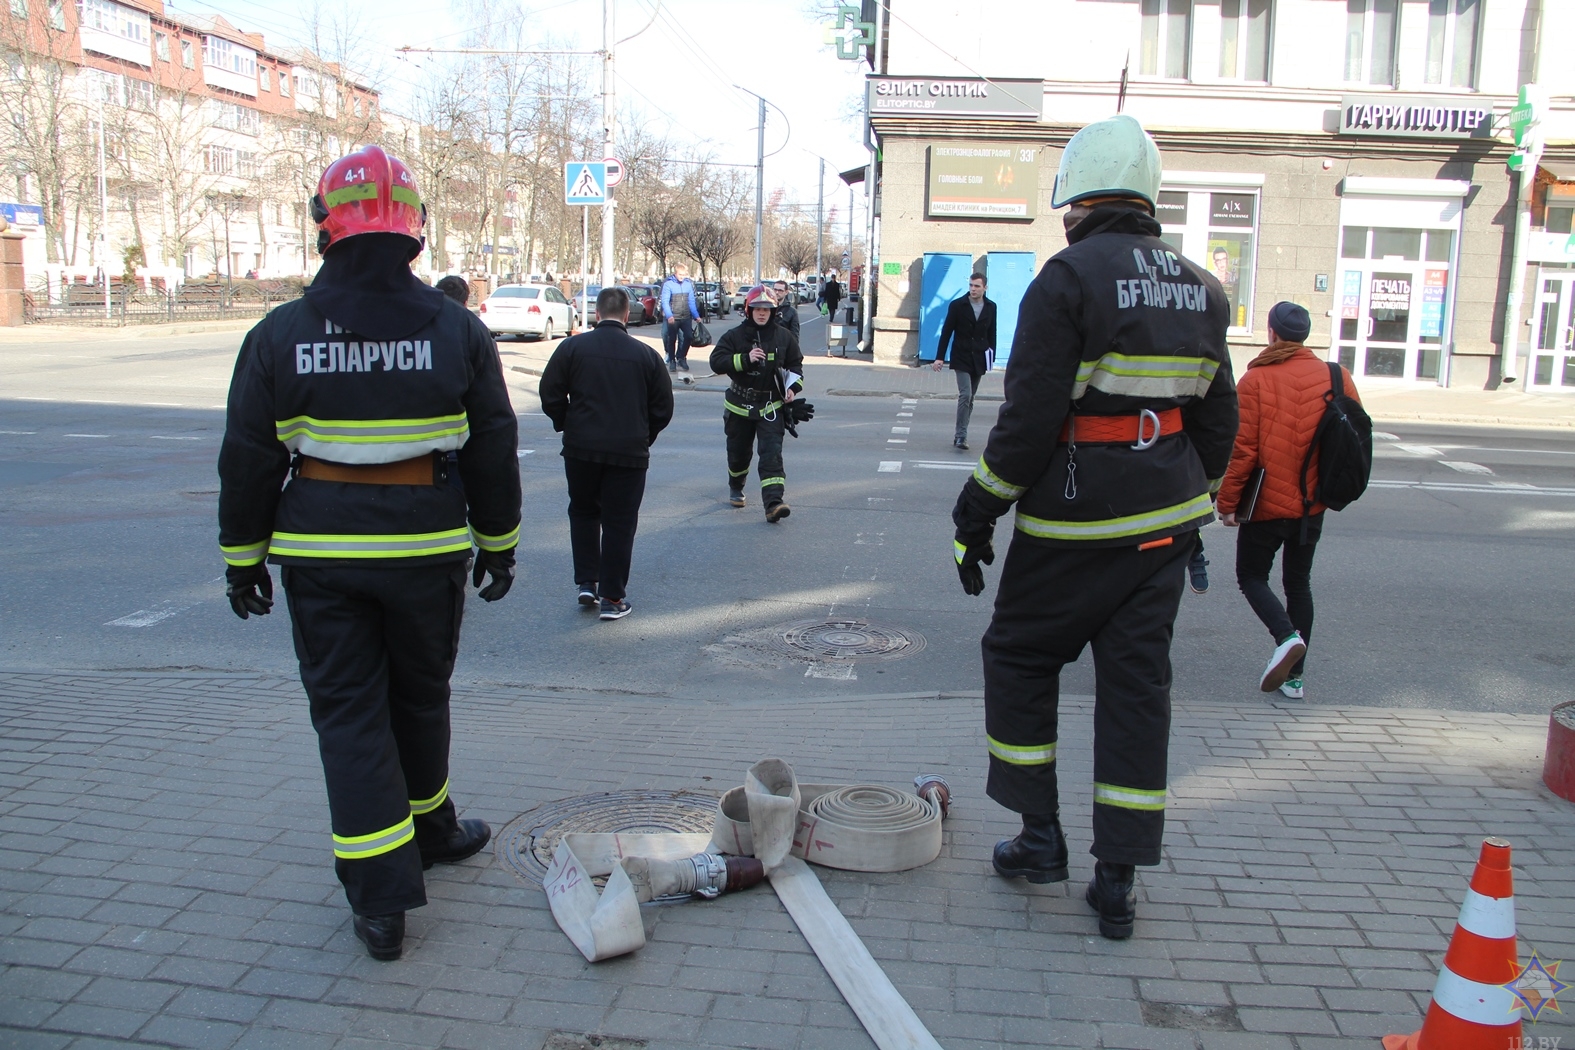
<point>368,192</point>
<point>759,295</point>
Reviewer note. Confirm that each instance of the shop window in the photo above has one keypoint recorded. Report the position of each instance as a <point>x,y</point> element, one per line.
<point>1167,33</point>
<point>1397,244</point>
<point>1218,231</point>
<point>1452,30</point>
<point>1353,242</point>
<point>1244,40</point>
<point>1440,245</point>
<point>1371,31</point>
<point>1560,218</point>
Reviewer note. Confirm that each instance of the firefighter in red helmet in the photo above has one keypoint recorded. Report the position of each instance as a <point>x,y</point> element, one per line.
<point>349,411</point>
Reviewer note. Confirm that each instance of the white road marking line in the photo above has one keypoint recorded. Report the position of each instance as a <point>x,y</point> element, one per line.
<point>841,672</point>
<point>900,430</point>
<point>1384,435</point>
<point>904,415</point>
<point>1465,468</point>
<point>909,401</point>
<point>889,466</point>
<point>1497,488</point>
<point>148,617</point>
<point>1525,451</point>
<point>521,453</point>
<point>896,441</point>
<point>87,435</point>
<point>1419,450</point>
<point>18,432</point>
<point>168,437</point>
<point>936,464</point>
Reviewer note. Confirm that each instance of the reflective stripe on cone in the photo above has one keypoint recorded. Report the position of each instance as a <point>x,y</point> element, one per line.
<point>1471,1008</point>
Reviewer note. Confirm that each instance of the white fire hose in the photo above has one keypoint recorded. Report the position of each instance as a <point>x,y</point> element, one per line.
<point>780,824</point>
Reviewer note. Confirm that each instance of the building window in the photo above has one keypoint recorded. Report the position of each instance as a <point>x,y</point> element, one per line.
<point>161,46</point>
<point>358,106</point>
<point>221,54</point>
<point>186,58</point>
<point>1452,29</point>
<point>109,17</point>
<point>245,164</point>
<point>284,84</point>
<point>1244,40</point>
<point>1167,31</point>
<point>139,94</point>
<point>1218,231</point>
<point>57,14</point>
<point>263,79</point>
<point>19,8</point>
<point>235,117</point>
<point>1372,28</point>
<point>218,160</point>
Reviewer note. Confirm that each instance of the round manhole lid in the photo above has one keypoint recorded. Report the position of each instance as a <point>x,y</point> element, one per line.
<point>527,843</point>
<point>846,639</point>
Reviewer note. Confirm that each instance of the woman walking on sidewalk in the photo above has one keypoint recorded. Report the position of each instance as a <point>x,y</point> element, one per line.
<point>1282,401</point>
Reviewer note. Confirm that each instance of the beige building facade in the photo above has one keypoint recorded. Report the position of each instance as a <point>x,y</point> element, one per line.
<point>1358,166</point>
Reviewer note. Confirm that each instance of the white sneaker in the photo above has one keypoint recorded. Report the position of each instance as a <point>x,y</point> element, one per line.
<point>1285,656</point>
<point>1292,689</point>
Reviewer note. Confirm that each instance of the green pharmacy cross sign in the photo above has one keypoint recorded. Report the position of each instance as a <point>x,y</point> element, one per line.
<point>849,34</point>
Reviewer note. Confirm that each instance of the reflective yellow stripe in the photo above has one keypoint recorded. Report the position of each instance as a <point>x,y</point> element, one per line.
<point>371,431</point>
<point>361,191</point>
<point>747,413</point>
<point>427,805</point>
<point>764,482</point>
<point>1116,528</point>
<point>1134,375</point>
<point>497,543</point>
<point>959,550</point>
<point>1214,486</point>
<point>738,473</point>
<point>995,484</point>
<point>360,847</point>
<point>413,545</point>
<point>404,195</point>
<point>1129,798</point>
<point>738,362</point>
<point>1042,755</point>
<point>245,554</point>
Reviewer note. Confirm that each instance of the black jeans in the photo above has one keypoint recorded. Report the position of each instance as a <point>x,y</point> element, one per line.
<point>604,510</point>
<point>1255,548</point>
<point>376,647</point>
<point>676,339</point>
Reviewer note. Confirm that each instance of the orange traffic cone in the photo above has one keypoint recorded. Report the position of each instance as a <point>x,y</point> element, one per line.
<point>1471,1008</point>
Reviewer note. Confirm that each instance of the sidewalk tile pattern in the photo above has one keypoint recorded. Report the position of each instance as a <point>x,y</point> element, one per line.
<point>165,879</point>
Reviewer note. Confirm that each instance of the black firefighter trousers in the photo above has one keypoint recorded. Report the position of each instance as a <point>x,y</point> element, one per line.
<point>1052,602</point>
<point>743,433</point>
<point>376,647</point>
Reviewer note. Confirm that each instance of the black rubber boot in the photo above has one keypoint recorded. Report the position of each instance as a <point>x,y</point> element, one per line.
<point>1037,854</point>
<point>383,935</point>
<point>1110,893</point>
<point>466,841</point>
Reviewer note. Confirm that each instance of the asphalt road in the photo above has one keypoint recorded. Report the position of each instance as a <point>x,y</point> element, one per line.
<point>1446,586</point>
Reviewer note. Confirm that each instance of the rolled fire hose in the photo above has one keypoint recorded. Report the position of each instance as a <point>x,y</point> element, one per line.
<point>781,823</point>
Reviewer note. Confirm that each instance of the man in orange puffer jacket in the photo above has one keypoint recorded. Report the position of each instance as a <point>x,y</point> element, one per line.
<point>1282,401</point>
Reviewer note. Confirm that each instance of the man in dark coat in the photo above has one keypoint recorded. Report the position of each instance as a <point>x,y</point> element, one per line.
<point>787,309</point>
<point>609,396</point>
<point>969,331</point>
<point>831,295</point>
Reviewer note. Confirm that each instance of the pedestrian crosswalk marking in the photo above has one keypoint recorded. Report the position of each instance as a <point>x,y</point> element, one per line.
<point>889,466</point>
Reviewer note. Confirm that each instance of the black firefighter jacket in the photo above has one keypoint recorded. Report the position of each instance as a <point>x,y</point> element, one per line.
<point>304,385</point>
<point>1116,323</point>
<point>609,394</point>
<point>755,389</point>
<point>969,336</point>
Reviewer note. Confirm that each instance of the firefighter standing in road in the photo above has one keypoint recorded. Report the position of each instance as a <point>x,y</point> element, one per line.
<point>1119,417</point>
<point>358,393</point>
<point>763,360</point>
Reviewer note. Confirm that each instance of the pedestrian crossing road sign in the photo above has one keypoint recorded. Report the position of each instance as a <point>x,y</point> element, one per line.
<point>585,182</point>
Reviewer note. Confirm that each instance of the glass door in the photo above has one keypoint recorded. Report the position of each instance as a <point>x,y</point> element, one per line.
<point>1394,287</point>
<point>1553,333</point>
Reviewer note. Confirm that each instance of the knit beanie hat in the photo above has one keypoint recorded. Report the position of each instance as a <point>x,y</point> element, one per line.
<point>1290,321</point>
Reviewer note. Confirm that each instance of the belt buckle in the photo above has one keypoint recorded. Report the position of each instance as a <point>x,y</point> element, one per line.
<point>1147,442</point>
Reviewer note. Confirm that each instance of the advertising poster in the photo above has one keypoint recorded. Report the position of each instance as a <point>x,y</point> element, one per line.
<point>1434,282</point>
<point>1351,295</point>
<point>983,180</point>
<point>1391,292</point>
<point>1227,260</point>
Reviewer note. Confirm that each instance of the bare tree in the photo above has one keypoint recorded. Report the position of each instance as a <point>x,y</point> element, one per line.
<point>795,249</point>
<point>659,229</point>
<point>726,237</point>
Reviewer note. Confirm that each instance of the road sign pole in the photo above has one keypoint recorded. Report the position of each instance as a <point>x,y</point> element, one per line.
<point>585,262</point>
<point>609,118</point>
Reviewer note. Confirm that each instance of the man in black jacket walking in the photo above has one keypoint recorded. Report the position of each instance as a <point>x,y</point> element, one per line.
<point>970,329</point>
<point>609,395</point>
<point>787,309</point>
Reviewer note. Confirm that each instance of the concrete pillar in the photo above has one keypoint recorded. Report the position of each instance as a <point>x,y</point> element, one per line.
<point>11,280</point>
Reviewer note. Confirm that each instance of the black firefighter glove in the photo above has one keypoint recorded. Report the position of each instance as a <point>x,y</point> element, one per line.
<point>250,589</point>
<point>498,564</point>
<point>800,411</point>
<point>972,548</point>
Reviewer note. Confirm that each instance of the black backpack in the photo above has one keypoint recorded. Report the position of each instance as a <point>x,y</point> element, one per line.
<point>1344,441</point>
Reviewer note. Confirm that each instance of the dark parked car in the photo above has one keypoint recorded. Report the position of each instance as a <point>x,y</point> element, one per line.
<point>638,313</point>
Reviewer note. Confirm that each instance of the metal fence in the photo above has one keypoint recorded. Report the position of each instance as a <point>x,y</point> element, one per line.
<point>129,304</point>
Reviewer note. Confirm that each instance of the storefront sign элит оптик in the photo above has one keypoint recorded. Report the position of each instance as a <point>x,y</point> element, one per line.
<point>1429,118</point>
<point>983,180</point>
<point>954,97</point>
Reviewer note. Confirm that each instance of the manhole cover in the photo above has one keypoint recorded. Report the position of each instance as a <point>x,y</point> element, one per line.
<point>527,843</point>
<point>846,640</point>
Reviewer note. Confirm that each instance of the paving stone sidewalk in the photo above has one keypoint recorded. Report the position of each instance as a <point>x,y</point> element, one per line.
<point>165,878</point>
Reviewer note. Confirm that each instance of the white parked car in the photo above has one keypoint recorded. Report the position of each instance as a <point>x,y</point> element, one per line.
<point>527,309</point>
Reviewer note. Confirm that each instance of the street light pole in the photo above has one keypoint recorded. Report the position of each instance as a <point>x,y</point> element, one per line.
<point>103,208</point>
<point>609,119</point>
<point>760,186</point>
<point>820,227</point>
